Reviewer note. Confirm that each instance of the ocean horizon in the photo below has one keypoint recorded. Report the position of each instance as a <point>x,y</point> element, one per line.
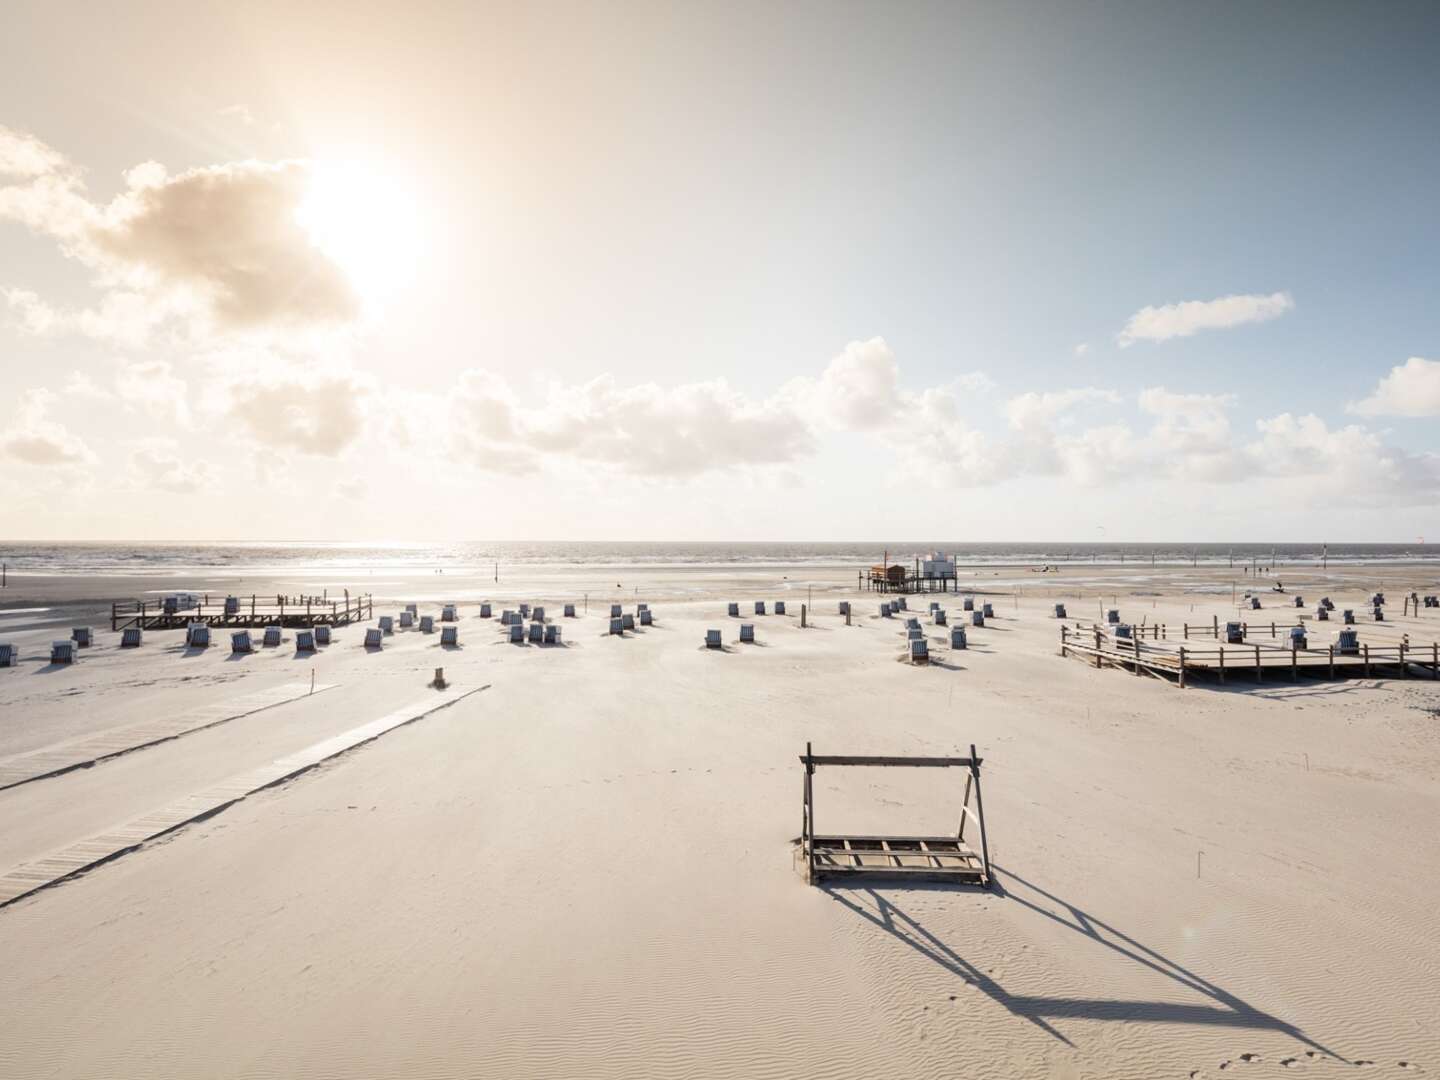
<point>164,558</point>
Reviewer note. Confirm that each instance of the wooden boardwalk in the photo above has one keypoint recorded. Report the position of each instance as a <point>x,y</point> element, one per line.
<point>86,751</point>
<point>122,839</point>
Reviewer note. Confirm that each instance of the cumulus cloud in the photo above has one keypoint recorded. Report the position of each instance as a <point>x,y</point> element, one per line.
<point>1410,389</point>
<point>1192,316</point>
<point>161,465</point>
<point>321,414</point>
<point>36,439</point>
<point>220,247</point>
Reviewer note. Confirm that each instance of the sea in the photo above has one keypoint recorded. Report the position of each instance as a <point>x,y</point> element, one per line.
<point>167,559</point>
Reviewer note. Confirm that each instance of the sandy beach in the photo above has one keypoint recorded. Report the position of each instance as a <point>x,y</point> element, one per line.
<point>586,868</point>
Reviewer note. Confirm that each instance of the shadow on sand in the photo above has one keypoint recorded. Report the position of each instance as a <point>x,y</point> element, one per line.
<point>1217,1007</point>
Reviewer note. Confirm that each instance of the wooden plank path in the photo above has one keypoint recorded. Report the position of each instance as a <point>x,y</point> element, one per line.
<point>87,854</point>
<point>86,751</point>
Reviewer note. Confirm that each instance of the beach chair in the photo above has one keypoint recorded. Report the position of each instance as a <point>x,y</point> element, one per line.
<point>447,613</point>
<point>1347,642</point>
<point>197,636</point>
<point>987,611</point>
<point>449,635</point>
<point>919,651</point>
<point>427,624</point>
<point>977,618</point>
<point>552,634</point>
<point>507,617</point>
<point>524,611</point>
<point>900,604</point>
<point>232,605</point>
<point>412,609</point>
<point>617,626</point>
<point>131,637</point>
<point>322,635</point>
<point>1322,613</point>
<point>712,639</point>
<point>779,607</point>
<point>62,652</point>
<point>271,640</point>
<point>645,617</point>
<point>240,642</point>
<point>627,622</point>
<point>387,625</point>
<point>641,607</point>
<point>1124,630</point>
<point>1379,614</point>
<point>957,637</point>
<point>305,641</point>
<point>914,633</point>
<point>1060,611</point>
<point>407,619</point>
<point>844,607</point>
<point>1347,617</point>
<point>968,604</point>
<point>485,611</point>
<point>1234,634</point>
<point>1297,637</point>
<point>538,614</point>
<point>759,607</point>
<point>537,633</point>
<point>1330,604</point>
<point>747,633</point>
<point>615,611</point>
<point>885,611</point>
<point>81,636</point>
<point>1254,603</point>
<point>569,611</point>
<point>733,611</point>
<point>9,654</point>
<point>517,633</point>
<point>938,615</point>
<point>934,604</point>
<point>912,623</point>
<point>374,639</point>
<point>1299,601</point>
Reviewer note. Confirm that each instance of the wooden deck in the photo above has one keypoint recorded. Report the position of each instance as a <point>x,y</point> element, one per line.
<point>1259,661</point>
<point>86,751</point>
<point>251,611</point>
<point>87,854</point>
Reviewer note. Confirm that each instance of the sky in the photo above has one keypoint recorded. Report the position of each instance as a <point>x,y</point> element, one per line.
<point>690,271</point>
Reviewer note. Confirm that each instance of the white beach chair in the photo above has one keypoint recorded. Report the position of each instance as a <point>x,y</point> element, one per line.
<point>747,633</point>
<point>627,622</point>
<point>449,635</point>
<point>271,640</point>
<point>712,639</point>
<point>537,633</point>
<point>645,617</point>
<point>759,607</point>
<point>617,626</point>
<point>387,625</point>
<point>407,619</point>
<point>779,607</point>
<point>81,636</point>
<point>447,613</point>
<point>240,642</point>
<point>62,652</point>
<point>9,654</point>
<point>374,639</point>
<point>569,611</point>
<point>517,632</point>
<point>615,611</point>
<point>919,651</point>
<point>305,641</point>
<point>427,624</point>
<point>733,611</point>
<point>197,636</point>
<point>322,635</point>
<point>552,634</point>
<point>957,637</point>
<point>485,611</point>
<point>131,637</point>
<point>977,618</point>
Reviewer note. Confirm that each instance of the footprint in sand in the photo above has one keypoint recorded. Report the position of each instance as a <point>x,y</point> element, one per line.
<point>1361,1063</point>
<point>1409,1065</point>
<point>1224,1065</point>
<point>1249,1059</point>
<point>1290,1063</point>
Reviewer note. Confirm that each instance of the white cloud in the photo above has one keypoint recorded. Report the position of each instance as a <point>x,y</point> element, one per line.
<point>1410,389</point>
<point>160,464</point>
<point>1192,316</point>
<point>217,249</point>
<point>319,414</point>
<point>153,387</point>
<point>36,439</point>
<point>1082,349</point>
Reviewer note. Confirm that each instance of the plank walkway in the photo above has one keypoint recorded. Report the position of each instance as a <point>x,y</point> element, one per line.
<point>122,839</point>
<point>87,750</point>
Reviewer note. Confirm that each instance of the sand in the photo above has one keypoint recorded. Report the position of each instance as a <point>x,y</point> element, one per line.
<point>586,869</point>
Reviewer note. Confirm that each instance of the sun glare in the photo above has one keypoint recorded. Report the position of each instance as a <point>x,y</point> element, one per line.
<point>366,222</point>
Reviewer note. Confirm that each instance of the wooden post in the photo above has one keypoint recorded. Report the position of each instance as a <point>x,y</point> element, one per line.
<point>1257,664</point>
<point>980,813</point>
<point>1272,629</point>
<point>1404,668</point>
<point>1332,661</point>
<point>1294,668</point>
<point>1182,667</point>
<point>802,616</point>
<point>1215,627</point>
<point>1366,648</point>
<point>809,834</point>
<point>1186,630</point>
<point>1222,664</point>
<point>1435,661</point>
<point>1063,634</point>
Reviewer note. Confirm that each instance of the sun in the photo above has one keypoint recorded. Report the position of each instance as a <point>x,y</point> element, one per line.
<point>366,222</point>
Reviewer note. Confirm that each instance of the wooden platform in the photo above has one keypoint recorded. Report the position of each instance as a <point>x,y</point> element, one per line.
<point>86,751</point>
<point>122,839</point>
<point>907,858</point>
<point>1256,660</point>
<point>254,611</point>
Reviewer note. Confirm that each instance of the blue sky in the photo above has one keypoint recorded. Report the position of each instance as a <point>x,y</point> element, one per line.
<point>670,195</point>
